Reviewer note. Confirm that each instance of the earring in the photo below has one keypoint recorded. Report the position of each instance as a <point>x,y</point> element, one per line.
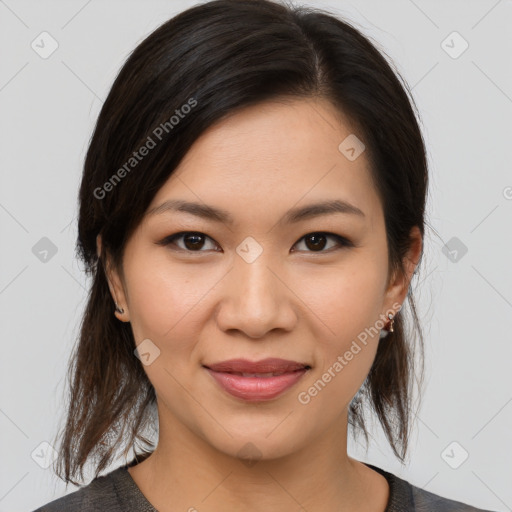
<point>384,332</point>
<point>118,309</point>
<point>390,316</point>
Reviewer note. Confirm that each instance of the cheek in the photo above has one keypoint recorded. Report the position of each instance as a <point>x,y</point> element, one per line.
<point>347,303</point>
<point>346,344</point>
<point>169,303</point>
<point>346,300</point>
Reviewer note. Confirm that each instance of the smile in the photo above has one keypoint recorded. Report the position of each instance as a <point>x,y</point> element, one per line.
<point>263,380</point>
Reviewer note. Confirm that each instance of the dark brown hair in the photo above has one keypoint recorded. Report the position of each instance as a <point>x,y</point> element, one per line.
<point>220,57</point>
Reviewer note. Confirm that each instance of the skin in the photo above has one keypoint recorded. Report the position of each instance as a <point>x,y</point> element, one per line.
<point>297,301</point>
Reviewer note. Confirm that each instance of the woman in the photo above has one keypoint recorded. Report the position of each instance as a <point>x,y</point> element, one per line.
<point>252,214</point>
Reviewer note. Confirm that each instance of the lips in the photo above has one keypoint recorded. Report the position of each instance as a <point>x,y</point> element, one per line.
<point>257,368</point>
<point>259,380</point>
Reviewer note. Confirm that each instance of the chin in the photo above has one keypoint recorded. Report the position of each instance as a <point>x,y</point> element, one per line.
<point>257,444</point>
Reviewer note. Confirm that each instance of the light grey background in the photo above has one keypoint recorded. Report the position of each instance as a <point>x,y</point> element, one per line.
<point>48,110</point>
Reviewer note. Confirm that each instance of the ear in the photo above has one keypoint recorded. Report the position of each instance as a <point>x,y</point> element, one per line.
<point>398,287</point>
<point>115,283</point>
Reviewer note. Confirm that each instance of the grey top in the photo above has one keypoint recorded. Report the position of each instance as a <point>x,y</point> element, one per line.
<point>118,492</point>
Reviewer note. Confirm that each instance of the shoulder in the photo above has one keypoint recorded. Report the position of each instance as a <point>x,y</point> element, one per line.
<point>425,501</point>
<point>403,496</point>
<point>99,495</point>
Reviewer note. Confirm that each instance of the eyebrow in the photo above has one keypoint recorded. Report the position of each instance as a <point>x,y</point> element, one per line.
<point>292,216</point>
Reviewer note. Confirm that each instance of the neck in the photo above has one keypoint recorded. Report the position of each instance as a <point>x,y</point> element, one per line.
<point>187,473</point>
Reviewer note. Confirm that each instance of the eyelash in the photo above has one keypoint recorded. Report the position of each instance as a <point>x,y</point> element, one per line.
<point>343,242</point>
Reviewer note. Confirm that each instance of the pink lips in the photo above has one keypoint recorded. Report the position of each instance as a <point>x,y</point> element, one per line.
<point>258,384</point>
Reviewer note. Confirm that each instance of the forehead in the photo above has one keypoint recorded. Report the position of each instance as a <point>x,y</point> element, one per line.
<point>271,157</point>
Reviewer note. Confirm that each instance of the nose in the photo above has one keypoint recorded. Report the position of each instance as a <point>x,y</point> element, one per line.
<point>256,299</point>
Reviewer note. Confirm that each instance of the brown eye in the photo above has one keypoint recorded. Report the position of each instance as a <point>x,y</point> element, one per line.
<point>316,242</point>
<point>192,241</point>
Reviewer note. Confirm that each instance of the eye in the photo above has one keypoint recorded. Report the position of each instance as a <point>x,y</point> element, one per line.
<point>316,242</point>
<point>194,241</point>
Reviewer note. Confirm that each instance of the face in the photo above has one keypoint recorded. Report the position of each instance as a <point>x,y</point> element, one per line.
<point>312,289</point>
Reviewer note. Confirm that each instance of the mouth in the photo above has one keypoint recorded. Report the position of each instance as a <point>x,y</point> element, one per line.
<point>270,366</point>
<point>257,381</point>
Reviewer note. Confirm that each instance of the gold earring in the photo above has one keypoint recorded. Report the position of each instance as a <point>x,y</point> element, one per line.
<point>390,316</point>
